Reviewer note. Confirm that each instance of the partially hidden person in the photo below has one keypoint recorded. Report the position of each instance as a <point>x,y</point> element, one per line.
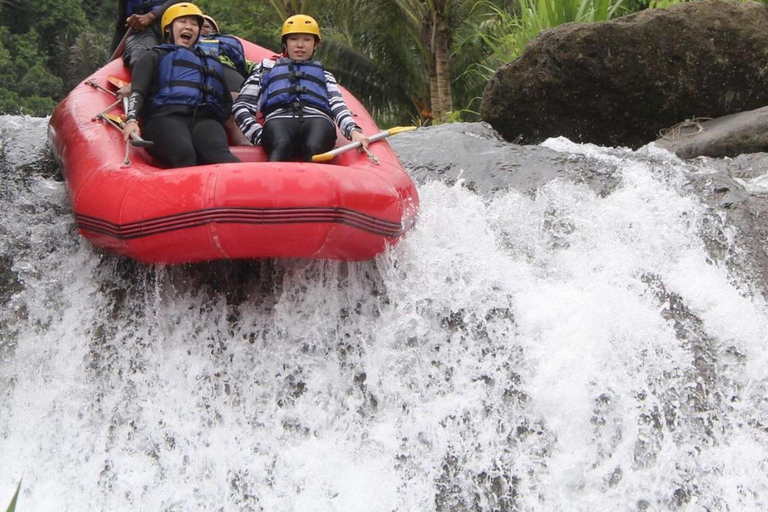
<point>229,50</point>
<point>298,99</point>
<point>180,95</point>
<point>143,18</point>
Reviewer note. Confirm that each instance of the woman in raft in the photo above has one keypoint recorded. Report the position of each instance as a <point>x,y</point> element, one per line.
<point>181,96</point>
<point>299,99</point>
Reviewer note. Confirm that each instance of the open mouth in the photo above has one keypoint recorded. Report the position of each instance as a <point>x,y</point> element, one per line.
<point>186,37</point>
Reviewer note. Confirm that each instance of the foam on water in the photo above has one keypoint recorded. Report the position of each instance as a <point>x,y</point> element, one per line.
<point>557,351</point>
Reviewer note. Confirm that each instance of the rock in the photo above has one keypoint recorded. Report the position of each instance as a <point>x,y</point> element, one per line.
<point>476,154</point>
<point>618,83</point>
<point>745,132</point>
<point>734,189</point>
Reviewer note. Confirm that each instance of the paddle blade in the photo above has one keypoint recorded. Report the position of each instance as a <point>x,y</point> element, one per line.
<point>322,157</point>
<point>401,129</point>
<point>117,82</point>
<point>114,118</point>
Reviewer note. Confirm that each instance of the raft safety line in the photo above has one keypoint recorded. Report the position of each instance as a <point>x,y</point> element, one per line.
<point>196,218</point>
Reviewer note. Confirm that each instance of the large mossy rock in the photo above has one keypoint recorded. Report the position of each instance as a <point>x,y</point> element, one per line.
<point>620,82</point>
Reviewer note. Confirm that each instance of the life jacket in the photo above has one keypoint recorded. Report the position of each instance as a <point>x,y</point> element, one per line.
<point>294,83</point>
<point>217,45</point>
<point>189,77</point>
<point>141,6</point>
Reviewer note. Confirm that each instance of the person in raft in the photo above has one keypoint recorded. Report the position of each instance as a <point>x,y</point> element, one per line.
<point>182,96</point>
<point>229,50</point>
<point>297,97</point>
<point>143,17</point>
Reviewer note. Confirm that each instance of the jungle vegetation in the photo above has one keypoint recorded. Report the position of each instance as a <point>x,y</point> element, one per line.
<point>408,61</point>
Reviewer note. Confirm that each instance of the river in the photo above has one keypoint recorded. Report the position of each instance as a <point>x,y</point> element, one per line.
<point>576,348</point>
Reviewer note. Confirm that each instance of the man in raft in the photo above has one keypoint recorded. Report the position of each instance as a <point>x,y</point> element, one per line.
<point>299,99</point>
<point>181,95</point>
<point>143,18</point>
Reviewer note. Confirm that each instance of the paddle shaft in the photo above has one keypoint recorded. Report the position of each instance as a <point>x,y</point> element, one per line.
<point>135,139</point>
<point>92,83</point>
<point>324,157</point>
<point>120,47</point>
<point>352,145</point>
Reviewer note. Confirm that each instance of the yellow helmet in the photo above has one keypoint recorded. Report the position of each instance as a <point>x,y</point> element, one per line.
<point>179,10</point>
<point>301,24</point>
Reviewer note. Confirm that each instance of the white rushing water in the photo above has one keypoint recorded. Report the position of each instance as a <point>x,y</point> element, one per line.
<point>558,352</point>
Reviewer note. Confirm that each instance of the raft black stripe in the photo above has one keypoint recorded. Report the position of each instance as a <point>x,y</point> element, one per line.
<point>253,213</point>
<point>274,216</point>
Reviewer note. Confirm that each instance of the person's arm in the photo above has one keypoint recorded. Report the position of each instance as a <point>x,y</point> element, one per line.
<point>141,80</point>
<point>139,22</point>
<point>227,103</point>
<point>247,106</point>
<point>339,109</point>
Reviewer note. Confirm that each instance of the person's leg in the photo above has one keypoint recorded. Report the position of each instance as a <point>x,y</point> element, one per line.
<point>138,43</point>
<point>280,138</point>
<point>173,141</point>
<point>234,136</point>
<point>210,142</point>
<point>234,79</point>
<point>234,83</point>
<point>319,136</point>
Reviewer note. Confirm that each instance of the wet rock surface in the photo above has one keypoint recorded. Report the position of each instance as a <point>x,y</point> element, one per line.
<point>618,83</point>
<point>478,155</point>
<point>729,136</point>
<point>735,190</point>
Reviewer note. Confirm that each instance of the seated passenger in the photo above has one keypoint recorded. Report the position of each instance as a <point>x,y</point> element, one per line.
<point>181,95</point>
<point>143,17</point>
<point>229,50</point>
<point>297,97</point>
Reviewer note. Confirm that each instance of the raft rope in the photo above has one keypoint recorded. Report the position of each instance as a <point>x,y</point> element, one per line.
<point>676,132</point>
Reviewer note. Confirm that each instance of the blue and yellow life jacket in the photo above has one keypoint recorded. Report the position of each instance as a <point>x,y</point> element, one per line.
<point>292,83</point>
<point>141,6</point>
<point>191,78</point>
<point>217,45</point>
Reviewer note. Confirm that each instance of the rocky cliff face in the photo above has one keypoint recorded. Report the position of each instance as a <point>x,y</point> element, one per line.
<point>618,83</point>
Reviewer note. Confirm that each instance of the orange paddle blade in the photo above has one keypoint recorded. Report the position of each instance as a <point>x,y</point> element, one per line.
<point>117,82</point>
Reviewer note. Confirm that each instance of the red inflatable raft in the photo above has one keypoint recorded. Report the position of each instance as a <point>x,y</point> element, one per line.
<point>348,209</point>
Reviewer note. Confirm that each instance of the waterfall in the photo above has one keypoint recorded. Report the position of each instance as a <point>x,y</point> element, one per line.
<point>573,349</point>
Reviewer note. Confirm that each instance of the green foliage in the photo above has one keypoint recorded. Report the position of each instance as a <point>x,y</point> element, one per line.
<point>378,49</point>
<point>507,34</point>
<point>38,44</point>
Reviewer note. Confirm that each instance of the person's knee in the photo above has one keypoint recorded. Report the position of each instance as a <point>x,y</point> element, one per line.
<point>316,145</point>
<point>281,143</point>
<point>174,157</point>
<point>320,143</point>
<point>130,58</point>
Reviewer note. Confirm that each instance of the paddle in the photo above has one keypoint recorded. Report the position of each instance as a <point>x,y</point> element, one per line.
<point>120,83</point>
<point>116,122</point>
<point>324,157</point>
<point>117,82</point>
<point>92,83</point>
<point>120,47</point>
